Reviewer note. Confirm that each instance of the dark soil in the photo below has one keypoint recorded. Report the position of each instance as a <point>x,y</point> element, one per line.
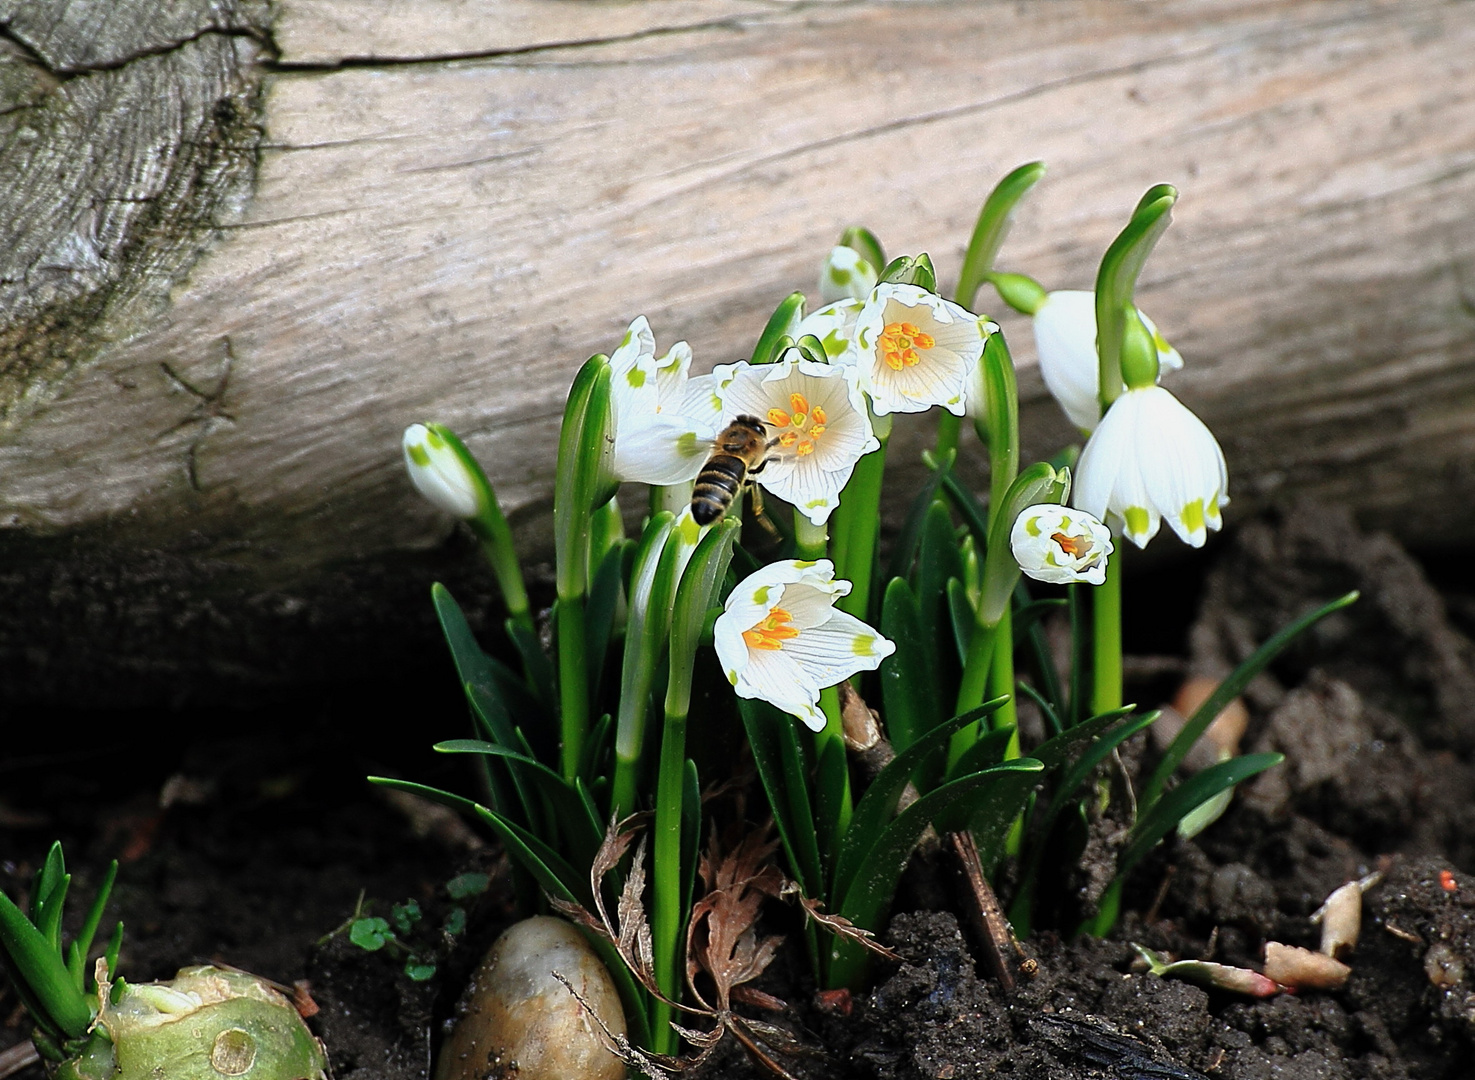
<point>271,835</point>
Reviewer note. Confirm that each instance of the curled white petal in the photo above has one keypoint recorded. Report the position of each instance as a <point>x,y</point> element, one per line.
<point>1151,459</point>
<point>663,425</point>
<point>439,474</point>
<point>1059,545</point>
<point>834,325</point>
<point>1065,338</point>
<point>781,639</point>
<point>915,350</point>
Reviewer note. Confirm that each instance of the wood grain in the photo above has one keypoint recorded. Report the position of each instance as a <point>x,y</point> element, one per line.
<point>455,203</point>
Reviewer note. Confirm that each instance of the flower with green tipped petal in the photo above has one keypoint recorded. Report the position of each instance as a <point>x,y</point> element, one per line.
<point>1065,337</point>
<point>817,420</point>
<point>915,350</point>
<point>781,638</point>
<point>442,472</point>
<point>1148,460</point>
<point>1059,545</point>
<point>833,325</point>
<point>664,421</point>
<point>846,276</point>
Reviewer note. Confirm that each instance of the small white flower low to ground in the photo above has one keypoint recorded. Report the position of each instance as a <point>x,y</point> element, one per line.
<point>1152,459</point>
<point>819,418</point>
<point>664,420</point>
<point>1065,338</point>
<point>1059,545</point>
<point>782,639</point>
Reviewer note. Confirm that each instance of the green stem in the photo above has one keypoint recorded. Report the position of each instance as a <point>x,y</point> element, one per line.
<point>666,914</point>
<point>1107,910</point>
<point>1106,639</point>
<point>811,541</point>
<point>573,688</point>
<point>1001,682</point>
<point>496,542</point>
<point>1080,645</point>
<point>857,524</point>
<point>971,692</point>
<point>949,428</point>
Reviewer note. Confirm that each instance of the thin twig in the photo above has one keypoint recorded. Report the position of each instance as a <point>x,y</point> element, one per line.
<point>20,1056</point>
<point>1001,951</point>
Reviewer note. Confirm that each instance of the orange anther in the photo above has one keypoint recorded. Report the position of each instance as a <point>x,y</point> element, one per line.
<point>805,447</point>
<point>1077,547</point>
<point>818,414</point>
<point>778,418</point>
<point>788,438</point>
<point>799,403</point>
<point>772,632</point>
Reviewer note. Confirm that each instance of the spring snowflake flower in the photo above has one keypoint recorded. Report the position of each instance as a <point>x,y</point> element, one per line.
<point>1150,458</point>
<point>1060,545</point>
<point>1065,338</point>
<point>818,417</point>
<point>846,276</point>
<point>780,637</point>
<point>915,350</point>
<point>440,473</point>
<point>664,421</point>
<point>834,325</point>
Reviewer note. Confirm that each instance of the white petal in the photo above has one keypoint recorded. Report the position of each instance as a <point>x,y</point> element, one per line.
<point>845,276</point>
<point>834,325</point>
<point>781,681</point>
<point>1065,338</point>
<point>836,649</point>
<point>660,449</point>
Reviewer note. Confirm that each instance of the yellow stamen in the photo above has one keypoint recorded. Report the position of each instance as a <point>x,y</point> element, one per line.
<point>772,632</point>
<point>899,343</point>
<point>818,415</point>
<point>1077,547</point>
<point>788,438</point>
<point>804,448</point>
<point>799,403</point>
<point>778,418</point>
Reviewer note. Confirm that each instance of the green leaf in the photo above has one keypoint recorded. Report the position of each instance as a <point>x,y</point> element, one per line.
<point>579,827</point>
<point>599,615</point>
<point>36,965</point>
<point>580,473</point>
<point>83,944</point>
<point>1052,718</point>
<point>406,915</point>
<point>988,751</point>
<point>1001,417</point>
<point>907,270</point>
<point>419,970</point>
<point>905,548</point>
<point>51,908</point>
<point>370,933</point>
<point>592,765</point>
<point>878,805</point>
<point>1065,747</point>
<point>1202,786</point>
<point>45,881</point>
<point>455,922</point>
<point>960,612</point>
<point>998,793</point>
<point>539,668</point>
<point>780,761</point>
<point>781,324</point>
<point>465,886</point>
<point>992,227</point>
<point>910,697</point>
<point>1226,692</point>
<point>1116,281</point>
<point>973,512</point>
<point>691,834</point>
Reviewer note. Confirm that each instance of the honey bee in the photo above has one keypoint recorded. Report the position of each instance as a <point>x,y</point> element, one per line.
<point>738,453</point>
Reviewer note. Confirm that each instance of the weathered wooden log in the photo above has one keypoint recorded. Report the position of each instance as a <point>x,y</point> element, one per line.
<point>241,246</point>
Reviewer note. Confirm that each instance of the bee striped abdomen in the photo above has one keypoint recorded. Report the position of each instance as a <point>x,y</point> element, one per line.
<point>717,486</point>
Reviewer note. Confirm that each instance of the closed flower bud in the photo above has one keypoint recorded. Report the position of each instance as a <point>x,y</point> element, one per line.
<point>442,470</point>
<point>1060,545</point>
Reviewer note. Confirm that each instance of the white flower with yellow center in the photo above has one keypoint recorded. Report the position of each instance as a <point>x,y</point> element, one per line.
<point>1065,338</point>
<point>781,639</point>
<point>1151,459</point>
<point>846,276</point>
<point>1057,544</point>
<point>817,419</point>
<point>915,350</point>
<point>664,421</point>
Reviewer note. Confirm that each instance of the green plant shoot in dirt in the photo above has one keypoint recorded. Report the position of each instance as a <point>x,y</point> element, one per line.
<point>807,619</point>
<point>90,1024</point>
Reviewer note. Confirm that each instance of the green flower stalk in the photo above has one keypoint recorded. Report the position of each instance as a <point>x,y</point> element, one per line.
<point>449,477</point>
<point>203,1024</point>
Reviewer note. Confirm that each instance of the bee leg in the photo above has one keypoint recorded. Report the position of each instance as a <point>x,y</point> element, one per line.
<point>755,499</point>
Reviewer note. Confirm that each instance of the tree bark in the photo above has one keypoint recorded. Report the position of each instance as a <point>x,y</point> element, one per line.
<point>244,247</point>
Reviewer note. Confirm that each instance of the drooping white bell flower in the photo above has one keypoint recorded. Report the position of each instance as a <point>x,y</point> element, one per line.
<point>664,421</point>
<point>915,350</point>
<point>440,472</point>
<point>1065,338</point>
<point>1151,459</point>
<point>846,275</point>
<point>1059,545</point>
<point>817,416</point>
<point>781,638</point>
<point>834,325</point>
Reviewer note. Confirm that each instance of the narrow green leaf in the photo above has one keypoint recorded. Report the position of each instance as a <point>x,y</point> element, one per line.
<point>1000,791</point>
<point>580,469</point>
<point>83,943</point>
<point>961,616</point>
<point>539,667</point>
<point>987,752</point>
<point>691,834</point>
<point>992,227</point>
<point>44,883</point>
<point>51,908</point>
<point>1165,814</point>
<point>35,962</point>
<point>599,615</point>
<point>905,548</point>
<point>1001,416</point>
<point>1065,747</point>
<point>1226,692</point>
<point>911,699</point>
<point>781,324</point>
<point>596,747</point>
<point>1052,718</point>
<point>780,762</point>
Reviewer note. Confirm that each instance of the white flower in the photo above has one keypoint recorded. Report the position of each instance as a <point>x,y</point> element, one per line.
<point>1150,458</point>
<point>440,473</point>
<point>915,350</point>
<point>818,417</point>
<point>1060,545</point>
<point>834,325</point>
<point>780,637</point>
<point>846,275</point>
<point>664,422</point>
<point>1065,338</point>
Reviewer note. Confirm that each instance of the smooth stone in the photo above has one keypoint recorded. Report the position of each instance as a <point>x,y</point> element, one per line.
<point>517,1021</point>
